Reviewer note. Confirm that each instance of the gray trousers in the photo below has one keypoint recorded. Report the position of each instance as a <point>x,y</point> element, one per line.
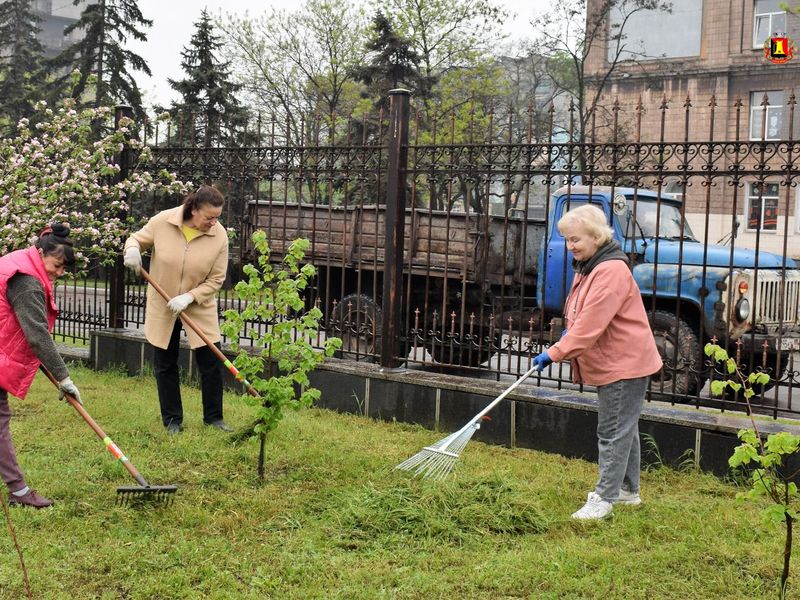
<point>9,468</point>
<point>619,405</point>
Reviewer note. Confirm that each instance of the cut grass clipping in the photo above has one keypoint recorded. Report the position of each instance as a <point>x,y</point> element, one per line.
<point>450,511</point>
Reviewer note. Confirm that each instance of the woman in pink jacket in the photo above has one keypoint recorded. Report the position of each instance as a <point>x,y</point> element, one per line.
<point>610,345</point>
<point>27,316</point>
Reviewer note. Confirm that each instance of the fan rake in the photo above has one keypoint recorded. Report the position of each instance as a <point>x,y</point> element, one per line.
<point>437,461</point>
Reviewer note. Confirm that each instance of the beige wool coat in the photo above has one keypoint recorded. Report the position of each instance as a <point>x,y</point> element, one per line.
<point>197,267</point>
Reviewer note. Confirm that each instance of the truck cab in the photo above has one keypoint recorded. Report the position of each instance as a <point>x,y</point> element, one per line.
<point>692,291</point>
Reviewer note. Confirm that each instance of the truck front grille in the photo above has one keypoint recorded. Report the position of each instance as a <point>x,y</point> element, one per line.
<point>778,299</point>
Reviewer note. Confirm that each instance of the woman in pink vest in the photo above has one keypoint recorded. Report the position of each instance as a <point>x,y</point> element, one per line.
<point>610,345</point>
<point>27,316</point>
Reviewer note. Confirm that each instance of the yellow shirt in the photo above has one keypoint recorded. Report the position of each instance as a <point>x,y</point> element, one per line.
<point>189,232</point>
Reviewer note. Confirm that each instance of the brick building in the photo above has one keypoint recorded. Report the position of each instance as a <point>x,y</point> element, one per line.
<point>703,49</point>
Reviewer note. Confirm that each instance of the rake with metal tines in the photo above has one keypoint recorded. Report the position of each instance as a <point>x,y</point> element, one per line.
<point>438,460</point>
<point>144,492</point>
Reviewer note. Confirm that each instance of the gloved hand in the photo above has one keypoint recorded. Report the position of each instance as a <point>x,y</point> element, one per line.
<point>541,361</point>
<point>65,386</point>
<point>133,259</point>
<point>179,303</point>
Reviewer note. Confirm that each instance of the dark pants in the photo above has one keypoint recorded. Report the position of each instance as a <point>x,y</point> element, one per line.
<point>165,365</point>
<point>9,468</point>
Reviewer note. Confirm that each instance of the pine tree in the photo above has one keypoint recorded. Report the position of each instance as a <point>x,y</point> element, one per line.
<point>208,111</point>
<point>393,62</point>
<point>21,63</point>
<point>101,58</point>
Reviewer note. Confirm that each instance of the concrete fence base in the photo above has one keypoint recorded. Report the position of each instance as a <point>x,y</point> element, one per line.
<point>558,421</point>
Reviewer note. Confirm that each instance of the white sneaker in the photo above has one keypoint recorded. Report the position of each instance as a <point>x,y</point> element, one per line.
<point>595,508</point>
<point>626,497</point>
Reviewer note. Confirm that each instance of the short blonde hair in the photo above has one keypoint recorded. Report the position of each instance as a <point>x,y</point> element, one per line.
<point>592,219</point>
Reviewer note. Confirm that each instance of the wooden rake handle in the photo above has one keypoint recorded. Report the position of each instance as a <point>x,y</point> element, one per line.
<point>109,443</point>
<point>194,327</point>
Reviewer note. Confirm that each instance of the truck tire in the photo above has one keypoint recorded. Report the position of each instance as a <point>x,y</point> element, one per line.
<point>357,321</point>
<point>677,343</point>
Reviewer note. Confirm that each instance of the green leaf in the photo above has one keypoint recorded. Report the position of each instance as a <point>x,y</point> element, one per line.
<point>776,513</point>
<point>718,387</point>
<point>743,455</point>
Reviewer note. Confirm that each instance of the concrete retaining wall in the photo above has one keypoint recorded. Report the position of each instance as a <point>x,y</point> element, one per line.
<point>559,421</point>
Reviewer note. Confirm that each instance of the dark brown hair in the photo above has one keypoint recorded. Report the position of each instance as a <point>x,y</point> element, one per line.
<point>205,194</point>
<point>54,241</point>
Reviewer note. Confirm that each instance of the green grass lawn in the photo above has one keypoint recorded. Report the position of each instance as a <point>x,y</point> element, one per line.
<point>333,520</point>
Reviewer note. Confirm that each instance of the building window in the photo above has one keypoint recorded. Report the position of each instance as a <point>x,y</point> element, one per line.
<point>774,129</point>
<point>762,207</point>
<point>768,19</point>
<point>640,33</point>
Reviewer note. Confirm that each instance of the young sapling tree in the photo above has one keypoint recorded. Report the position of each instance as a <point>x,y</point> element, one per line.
<point>772,476</point>
<point>273,296</point>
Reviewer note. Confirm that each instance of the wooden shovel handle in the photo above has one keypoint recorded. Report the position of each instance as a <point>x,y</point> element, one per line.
<point>194,327</point>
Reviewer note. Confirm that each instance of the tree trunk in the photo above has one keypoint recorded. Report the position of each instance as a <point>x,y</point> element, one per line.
<point>787,554</point>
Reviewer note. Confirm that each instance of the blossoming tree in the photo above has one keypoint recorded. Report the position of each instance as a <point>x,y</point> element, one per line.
<point>61,169</point>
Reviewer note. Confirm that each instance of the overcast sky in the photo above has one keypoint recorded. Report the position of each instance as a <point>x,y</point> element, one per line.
<point>173,26</point>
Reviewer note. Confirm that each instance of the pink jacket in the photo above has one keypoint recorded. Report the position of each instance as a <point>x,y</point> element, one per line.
<point>18,363</point>
<point>609,337</point>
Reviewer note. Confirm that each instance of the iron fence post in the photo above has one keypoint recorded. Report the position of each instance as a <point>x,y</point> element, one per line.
<point>116,309</point>
<point>394,240</point>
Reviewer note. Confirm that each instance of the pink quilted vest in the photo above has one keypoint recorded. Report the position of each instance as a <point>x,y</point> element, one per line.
<point>18,363</point>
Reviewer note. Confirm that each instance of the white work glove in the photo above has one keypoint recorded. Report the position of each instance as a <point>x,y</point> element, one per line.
<point>133,259</point>
<point>65,386</point>
<point>179,303</point>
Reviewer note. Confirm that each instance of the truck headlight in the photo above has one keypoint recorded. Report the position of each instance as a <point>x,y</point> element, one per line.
<point>742,311</point>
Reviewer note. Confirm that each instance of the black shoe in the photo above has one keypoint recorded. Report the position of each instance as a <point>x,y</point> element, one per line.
<point>174,428</point>
<point>220,424</point>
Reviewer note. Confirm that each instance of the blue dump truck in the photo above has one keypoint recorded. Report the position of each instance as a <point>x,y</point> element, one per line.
<point>478,284</point>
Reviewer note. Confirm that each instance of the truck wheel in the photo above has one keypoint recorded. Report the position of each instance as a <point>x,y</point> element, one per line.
<point>357,321</point>
<point>677,343</point>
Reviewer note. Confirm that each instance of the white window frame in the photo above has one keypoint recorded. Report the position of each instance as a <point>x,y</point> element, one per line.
<point>753,195</point>
<point>770,110</point>
<point>757,43</point>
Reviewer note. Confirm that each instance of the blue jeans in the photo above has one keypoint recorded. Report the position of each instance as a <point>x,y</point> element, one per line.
<point>619,405</point>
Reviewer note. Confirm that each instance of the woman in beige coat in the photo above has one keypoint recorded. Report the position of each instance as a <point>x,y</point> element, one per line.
<point>189,260</point>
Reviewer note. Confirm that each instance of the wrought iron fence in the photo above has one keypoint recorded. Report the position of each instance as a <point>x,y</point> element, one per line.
<point>435,244</point>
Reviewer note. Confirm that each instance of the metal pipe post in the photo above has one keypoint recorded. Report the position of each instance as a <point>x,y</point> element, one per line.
<point>392,300</point>
<point>116,309</point>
